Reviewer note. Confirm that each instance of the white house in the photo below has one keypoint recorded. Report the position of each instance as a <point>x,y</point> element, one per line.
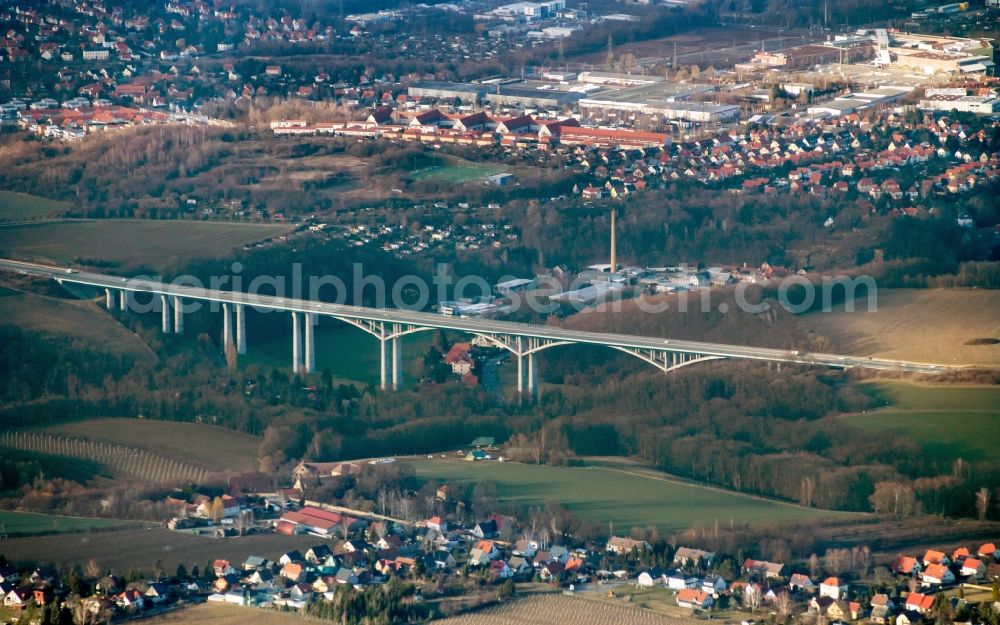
<point>937,574</point>
<point>973,567</point>
<point>833,587</point>
<point>652,577</point>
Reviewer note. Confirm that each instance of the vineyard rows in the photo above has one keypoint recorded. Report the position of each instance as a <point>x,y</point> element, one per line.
<point>128,461</point>
<point>559,610</point>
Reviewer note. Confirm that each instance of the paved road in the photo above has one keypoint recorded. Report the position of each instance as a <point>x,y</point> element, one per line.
<point>474,326</point>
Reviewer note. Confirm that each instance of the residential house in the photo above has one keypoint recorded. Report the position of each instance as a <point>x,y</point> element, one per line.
<point>443,560</point>
<point>909,618</point>
<point>157,592</point>
<point>252,563</point>
<point>905,565</point>
<point>843,610</point>
<point>551,572</point>
<point>973,567</point>
<point>652,577</point>
<point>485,529</point>
<point>833,587</point>
<point>290,557</point>
<point>619,545</point>
<point>318,553</point>
<point>694,599</point>
<point>17,598</point>
<point>768,570</point>
<point>988,550</point>
<point>935,557</point>
<point>802,583</point>
<point>519,565</point>
<point>882,610</point>
<point>686,555</point>
<point>437,524</point>
<point>936,575</point>
<point>223,568</point>
<point>501,569</point>
<point>525,547</point>
<point>713,585</point>
<point>679,581</point>
<point>919,603</point>
<point>292,572</point>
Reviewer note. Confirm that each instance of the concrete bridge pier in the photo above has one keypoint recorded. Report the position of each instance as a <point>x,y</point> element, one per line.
<point>397,358</point>
<point>178,316</point>
<point>520,369</point>
<point>296,344</point>
<point>241,329</point>
<point>309,363</point>
<point>227,327</point>
<point>164,314</point>
<point>383,363</point>
<point>109,299</point>
<point>532,378</point>
<point>123,300</point>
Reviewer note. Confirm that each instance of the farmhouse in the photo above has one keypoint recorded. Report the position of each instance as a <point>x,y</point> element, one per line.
<point>762,567</point>
<point>619,545</point>
<point>686,555</point>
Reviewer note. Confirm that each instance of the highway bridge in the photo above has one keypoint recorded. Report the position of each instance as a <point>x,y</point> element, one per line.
<point>524,341</point>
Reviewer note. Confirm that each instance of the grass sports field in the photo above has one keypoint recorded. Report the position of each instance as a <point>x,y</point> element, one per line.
<point>30,523</point>
<point>131,243</point>
<point>457,171</point>
<point>624,496</point>
<point>141,549</point>
<point>207,446</point>
<point>351,355</point>
<point>952,421</point>
<point>923,325</point>
<point>16,206</point>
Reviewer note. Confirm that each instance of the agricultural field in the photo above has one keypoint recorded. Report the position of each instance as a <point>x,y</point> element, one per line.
<point>219,614</point>
<point>351,355</point>
<point>79,320</point>
<point>140,549</point>
<point>16,206</point>
<point>20,523</point>
<point>947,326</point>
<point>131,243</point>
<point>557,609</point>
<point>621,495</point>
<point>203,445</point>
<point>949,421</point>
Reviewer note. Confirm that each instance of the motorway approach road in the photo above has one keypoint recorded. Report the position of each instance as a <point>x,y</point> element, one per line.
<point>488,327</point>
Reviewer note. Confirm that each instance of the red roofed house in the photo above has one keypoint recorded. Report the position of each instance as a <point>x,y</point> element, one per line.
<point>935,557</point>
<point>973,567</point>
<point>919,603</point>
<point>459,358</point>
<point>222,568</point>
<point>937,574</point>
<point>694,599</point>
<point>832,587</point>
<point>905,565</point>
<point>989,550</point>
